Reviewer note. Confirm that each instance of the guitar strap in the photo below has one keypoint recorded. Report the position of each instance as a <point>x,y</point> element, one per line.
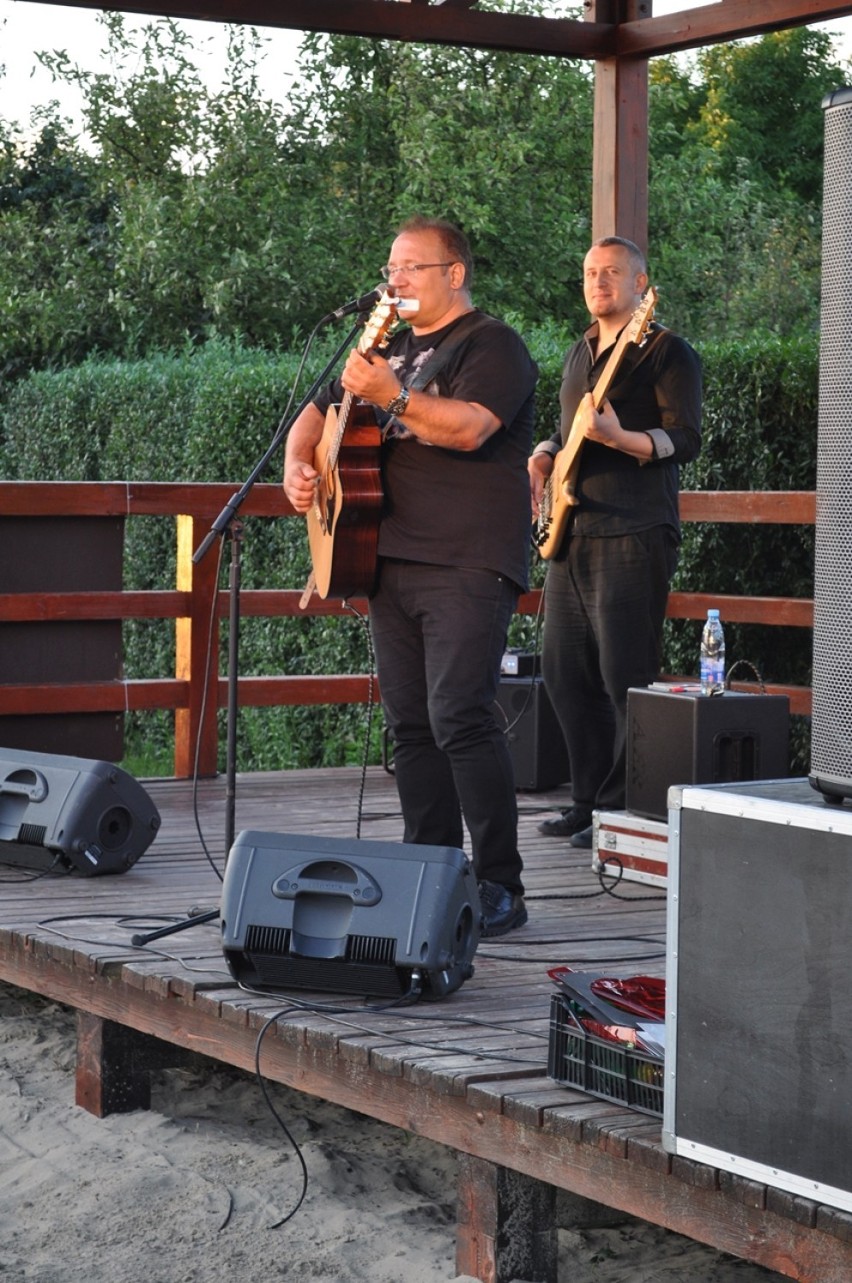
<point>445,349</point>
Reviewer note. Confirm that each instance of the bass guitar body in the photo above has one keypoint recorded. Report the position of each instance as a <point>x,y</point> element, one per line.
<point>558,499</point>
<point>343,521</point>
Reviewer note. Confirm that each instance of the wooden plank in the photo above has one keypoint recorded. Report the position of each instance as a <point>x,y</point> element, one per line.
<point>785,612</point>
<point>126,498</point>
<point>47,607</point>
<point>771,507</point>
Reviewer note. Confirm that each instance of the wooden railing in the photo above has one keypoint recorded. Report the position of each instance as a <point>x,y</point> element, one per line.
<point>197,690</point>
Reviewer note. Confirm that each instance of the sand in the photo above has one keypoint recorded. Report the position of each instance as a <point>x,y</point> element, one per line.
<point>195,1189</point>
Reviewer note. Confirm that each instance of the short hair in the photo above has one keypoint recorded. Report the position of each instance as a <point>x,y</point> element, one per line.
<point>456,245</point>
<point>639,260</point>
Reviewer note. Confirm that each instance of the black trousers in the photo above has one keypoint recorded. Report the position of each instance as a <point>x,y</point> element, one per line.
<point>439,634</point>
<point>605,602</point>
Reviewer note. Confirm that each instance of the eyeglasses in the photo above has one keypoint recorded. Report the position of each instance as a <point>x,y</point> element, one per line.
<point>409,269</point>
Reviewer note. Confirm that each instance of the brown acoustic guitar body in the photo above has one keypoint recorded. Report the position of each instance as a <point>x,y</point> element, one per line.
<point>343,521</point>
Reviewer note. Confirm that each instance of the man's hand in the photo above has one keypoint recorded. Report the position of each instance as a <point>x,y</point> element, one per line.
<point>539,467</point>
<point>300,475</point>
<point>600,425</point>
<point>370,379</point>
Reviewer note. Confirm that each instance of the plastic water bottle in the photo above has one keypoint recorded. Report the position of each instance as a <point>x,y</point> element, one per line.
<point>712,667</point>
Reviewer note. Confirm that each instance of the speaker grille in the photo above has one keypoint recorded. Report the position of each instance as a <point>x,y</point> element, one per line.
<point>831,744</point>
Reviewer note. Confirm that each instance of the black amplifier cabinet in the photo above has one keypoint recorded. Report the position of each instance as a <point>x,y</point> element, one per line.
<point>350,916</point>
<point>536,744</point>
<point>758,1000</point>
<point>72,814</point>
<point>689,738</point>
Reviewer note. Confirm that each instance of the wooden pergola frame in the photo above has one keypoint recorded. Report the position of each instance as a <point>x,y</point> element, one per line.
<point>618,35</point>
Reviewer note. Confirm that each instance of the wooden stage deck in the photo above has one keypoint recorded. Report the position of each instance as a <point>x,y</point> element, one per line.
<point>469,1071</point>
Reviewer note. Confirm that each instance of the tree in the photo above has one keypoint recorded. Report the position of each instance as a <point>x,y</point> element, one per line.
<point>55,231</point>
<point>736,185</point>
<point>762,108</point>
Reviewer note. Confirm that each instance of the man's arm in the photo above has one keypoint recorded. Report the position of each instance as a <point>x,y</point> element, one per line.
<point>442,421</point>
<point>300,475</point>
<point>605,427</point>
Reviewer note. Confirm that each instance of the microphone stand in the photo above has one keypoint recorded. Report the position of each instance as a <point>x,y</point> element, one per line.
<point>226,523</point>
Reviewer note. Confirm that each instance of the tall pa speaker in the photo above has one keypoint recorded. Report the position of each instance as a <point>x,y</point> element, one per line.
<point>349,916</point>
<point>831,732</point>
<point>71,814</point>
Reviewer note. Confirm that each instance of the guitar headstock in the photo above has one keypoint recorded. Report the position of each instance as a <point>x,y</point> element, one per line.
<point>637,326</point>
<point>380,322</point>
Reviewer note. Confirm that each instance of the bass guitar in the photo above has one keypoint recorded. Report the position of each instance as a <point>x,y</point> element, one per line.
<point>343,520</point>
<point>559,497</point>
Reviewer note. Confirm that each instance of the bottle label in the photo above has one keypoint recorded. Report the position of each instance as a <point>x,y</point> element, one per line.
<point>712,674</point>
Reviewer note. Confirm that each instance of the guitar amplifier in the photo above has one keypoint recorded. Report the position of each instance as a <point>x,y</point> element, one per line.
<point>684,738</point>
<point>536,743</point>
<point>350,916</point>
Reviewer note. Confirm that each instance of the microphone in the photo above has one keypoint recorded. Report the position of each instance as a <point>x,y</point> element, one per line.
<point>362,304</point>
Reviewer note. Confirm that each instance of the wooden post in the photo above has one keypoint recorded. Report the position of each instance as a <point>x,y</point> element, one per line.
<point>506,1224</point>
<point>191,655</point>
<point>620,145</point>
<point>114,1065</point>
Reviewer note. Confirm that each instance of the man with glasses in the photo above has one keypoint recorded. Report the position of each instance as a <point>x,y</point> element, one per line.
<point>454,394</point>
<point>608,582</point>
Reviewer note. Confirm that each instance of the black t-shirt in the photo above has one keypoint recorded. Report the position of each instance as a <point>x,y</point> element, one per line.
<point>657,386</point>
<point>458,507</point>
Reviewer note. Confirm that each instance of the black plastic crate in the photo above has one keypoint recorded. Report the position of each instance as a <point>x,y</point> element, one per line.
<point>602,1068</point>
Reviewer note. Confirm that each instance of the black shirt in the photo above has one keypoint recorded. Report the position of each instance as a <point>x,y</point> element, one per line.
<point>657,389</point>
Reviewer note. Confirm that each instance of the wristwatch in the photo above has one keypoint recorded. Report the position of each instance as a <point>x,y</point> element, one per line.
<point>397,405</point>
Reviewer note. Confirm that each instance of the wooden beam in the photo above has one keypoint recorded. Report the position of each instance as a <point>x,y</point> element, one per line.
<point>620,144</point>
<point>450,24</point>
<point>458,22</point>
<point>718,24</point>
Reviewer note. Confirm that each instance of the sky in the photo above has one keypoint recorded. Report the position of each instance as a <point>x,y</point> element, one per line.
<point>26,27</point>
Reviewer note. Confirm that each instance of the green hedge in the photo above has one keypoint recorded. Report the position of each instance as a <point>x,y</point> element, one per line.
<point>210,413</point>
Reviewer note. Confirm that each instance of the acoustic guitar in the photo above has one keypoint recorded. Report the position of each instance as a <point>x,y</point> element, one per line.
<point>343,520</point>
<point>559,497</point>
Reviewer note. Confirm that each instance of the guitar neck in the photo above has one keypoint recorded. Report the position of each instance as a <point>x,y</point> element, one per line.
<point>365,344</point>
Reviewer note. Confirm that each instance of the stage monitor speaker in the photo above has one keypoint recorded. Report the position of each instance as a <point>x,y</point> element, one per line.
<point>72,814</point>
<point>536,744</point>
<point>350,916</point>
<point>831,727</point>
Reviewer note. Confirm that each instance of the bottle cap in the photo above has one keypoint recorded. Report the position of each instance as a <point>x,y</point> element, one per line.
<point>712,613</point>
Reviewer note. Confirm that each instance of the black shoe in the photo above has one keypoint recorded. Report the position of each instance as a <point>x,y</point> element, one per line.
<point>572,821</point>
<point>584,839</point>
<point>502,909</point>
